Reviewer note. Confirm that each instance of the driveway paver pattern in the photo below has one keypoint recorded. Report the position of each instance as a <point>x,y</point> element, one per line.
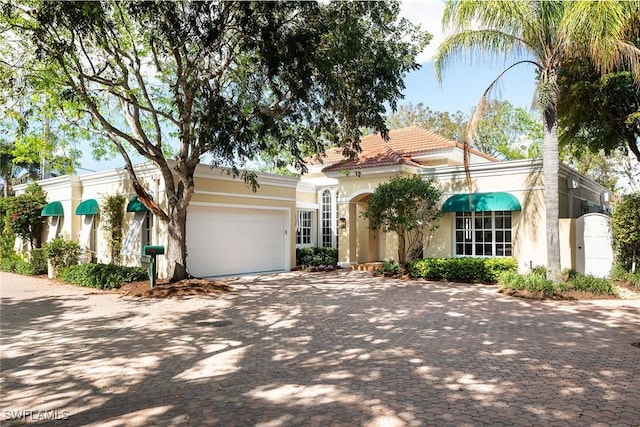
<point>305,349</point>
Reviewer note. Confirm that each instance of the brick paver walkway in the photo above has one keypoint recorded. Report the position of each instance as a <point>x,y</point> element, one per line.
<point>297,349</point>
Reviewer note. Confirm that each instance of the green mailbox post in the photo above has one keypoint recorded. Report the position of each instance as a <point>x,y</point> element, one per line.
<point>152,251</point>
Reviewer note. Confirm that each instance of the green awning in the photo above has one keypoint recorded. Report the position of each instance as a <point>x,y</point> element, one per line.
<point>136,205</point>
<point>481,202</point>
<point>53,209</point>
<point>88,207</point>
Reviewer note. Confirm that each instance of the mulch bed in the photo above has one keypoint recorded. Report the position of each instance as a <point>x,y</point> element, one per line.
<point>564,296</point>
<point>182,288</point>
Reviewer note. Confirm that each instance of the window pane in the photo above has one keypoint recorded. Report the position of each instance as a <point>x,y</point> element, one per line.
<point>478,236</point>
<point>327,215</point>
<point>499,222</point>
<point>488,250</point>
<point>479,249</point>
<point>499,236</point>
<point>507,221</point>
<point>487,236</point>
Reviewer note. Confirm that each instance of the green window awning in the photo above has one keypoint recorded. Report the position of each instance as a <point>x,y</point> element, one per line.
<point>87,207</point>
<point>481,202</point>
<point>53,209</point>
<point>136,205</point>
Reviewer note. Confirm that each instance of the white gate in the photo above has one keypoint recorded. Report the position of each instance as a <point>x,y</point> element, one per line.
<point>593,243</point>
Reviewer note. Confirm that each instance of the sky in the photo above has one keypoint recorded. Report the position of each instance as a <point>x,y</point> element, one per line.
<point>462,84</point>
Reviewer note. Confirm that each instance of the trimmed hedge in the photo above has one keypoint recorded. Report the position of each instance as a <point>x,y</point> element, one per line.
<point>316,256</point>
<point>469,270</point>
<point>101,276</point>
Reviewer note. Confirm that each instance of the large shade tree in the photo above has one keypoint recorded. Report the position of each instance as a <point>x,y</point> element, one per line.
<point>544,34</point>
<point>34,143</point>
<point>599,112</point>
<point>227,79</point>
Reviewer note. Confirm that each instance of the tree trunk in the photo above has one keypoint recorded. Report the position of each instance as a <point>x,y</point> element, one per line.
<point>176,251</point>
<point>401,248</point>
<point>551,169</point>
<point>7,187</point>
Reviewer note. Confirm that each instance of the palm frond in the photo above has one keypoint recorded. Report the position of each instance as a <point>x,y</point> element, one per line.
<point>503,16</point>
<point>604,31</point>
<point>478,46</point>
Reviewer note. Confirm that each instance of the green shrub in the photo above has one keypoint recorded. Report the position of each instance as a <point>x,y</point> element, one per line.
<point>620,273</point>
<point>539,270</point>
<point>537,282</point>
<point>25,268</point>
<point>101,276</point>
<point>595,285</point>
<point>62,253</point>
<point>569,273</point>
<point>38,261</point>
<point>15,264</point>
<point>494,267</point>
<point>390,268</point>
<point>462,269</point>
<point>533,282</point>
<point>634,279</point>
<point>10,264</point>
<point>316,256</point>
<point>428,268</point>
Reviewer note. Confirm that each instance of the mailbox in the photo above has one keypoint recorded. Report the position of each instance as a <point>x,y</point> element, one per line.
<point>152,250</point>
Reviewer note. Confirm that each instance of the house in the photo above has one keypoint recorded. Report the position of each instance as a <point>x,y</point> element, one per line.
<point>232,230</point>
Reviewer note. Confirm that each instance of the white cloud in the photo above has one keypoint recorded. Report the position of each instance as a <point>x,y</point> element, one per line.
<point>427,13</point>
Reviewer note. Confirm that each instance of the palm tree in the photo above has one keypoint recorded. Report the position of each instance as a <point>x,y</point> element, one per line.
<point>544,34</point>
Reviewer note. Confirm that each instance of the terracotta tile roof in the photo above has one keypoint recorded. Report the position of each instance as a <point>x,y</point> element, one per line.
<point>384,156</point>
<point>410,141</point>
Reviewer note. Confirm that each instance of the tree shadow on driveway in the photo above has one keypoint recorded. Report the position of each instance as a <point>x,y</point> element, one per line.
<point>342,348</point>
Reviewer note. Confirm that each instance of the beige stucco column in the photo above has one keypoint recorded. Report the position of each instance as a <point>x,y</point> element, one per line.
<point>347,237</point>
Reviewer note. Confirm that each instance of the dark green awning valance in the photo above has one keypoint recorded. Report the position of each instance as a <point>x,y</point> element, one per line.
<point>53,209</point>
<point>136,205</point>
<point>88,207</point>
<point>481,202</point>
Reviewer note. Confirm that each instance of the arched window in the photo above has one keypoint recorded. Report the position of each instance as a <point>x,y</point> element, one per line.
<point>327,219</point>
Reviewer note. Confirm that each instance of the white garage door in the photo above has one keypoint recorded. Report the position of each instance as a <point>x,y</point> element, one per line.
<point>224,241</point>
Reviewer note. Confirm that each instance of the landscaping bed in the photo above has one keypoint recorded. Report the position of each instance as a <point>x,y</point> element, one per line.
<point>182,288</point>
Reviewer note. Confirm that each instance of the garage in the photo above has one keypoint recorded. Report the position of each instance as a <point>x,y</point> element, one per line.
<point>231,240</point>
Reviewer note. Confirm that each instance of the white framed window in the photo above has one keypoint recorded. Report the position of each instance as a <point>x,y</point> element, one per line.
<point>327,226</point>
<point>483,234</point>
<point>304,228</point>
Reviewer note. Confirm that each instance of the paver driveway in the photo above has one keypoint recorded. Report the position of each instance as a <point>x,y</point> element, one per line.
<point>343,348</point>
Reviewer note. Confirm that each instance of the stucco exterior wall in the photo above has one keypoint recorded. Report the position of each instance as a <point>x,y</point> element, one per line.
<point>68,191</point>
<point>213,187</point>
<point>357,243</point>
